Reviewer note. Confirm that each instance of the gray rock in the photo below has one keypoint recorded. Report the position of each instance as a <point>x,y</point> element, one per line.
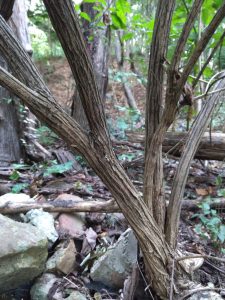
<point>72,225</point>
<point>75,295</point>
<point>207,295</point>
<point>15,198</point>
<point>42,286</point>
<point>116,264</point>
<point>63,259</point>
<point>23,252</point>
<point>44,222</point>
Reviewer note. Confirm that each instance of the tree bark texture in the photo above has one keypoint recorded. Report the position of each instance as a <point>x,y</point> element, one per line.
<point>98,48</point>
<point>191,145</point>
<point>9,133</point>
<point>95,147</point>
<point>10,147</point>
<point>19,24</point>
<point>153,173</point>
<point>174,87</point>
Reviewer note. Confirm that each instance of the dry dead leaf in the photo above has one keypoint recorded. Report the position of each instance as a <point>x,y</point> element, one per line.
<point>202,192</point>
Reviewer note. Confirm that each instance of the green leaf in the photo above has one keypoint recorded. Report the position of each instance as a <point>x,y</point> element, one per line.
<point>94,1</point>
<point>213,221</point>
<point>117,23</point>
<point>59,168</point>
<point>221,192</point>
<point>203,219</point>
<point>122,125</point>
<point>85,16</point>
<point>205,208</point>
<point>221,234</point>
<point>126,156</point>
<point>198,228</point>
<point>17,188</point>
<point>20,166</point>
<point>219,180</point>
<point>15,175</point>
<point>127,36</point>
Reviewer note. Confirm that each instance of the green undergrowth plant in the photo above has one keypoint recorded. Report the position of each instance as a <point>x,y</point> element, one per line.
<point>15,176</point>
<point>46,136</point>
<point>127,119</point>
<point>46,169</point>
<point>211,224</point>
<point>56,168</point>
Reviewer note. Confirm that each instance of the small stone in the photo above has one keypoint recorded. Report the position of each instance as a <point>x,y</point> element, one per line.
<point>42,286</point>
<point>44,222</point>
<point>75,295</point>
<point>63,259</point>
<point>113,267</point>
<point>71,225</point>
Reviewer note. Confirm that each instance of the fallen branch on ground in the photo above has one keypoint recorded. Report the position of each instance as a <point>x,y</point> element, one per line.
<point>212,147</point>
<point>109,206</point>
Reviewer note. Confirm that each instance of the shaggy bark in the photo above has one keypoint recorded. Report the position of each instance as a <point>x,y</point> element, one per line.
<point>99,51</point>
<point>9,134</point>
<point>10,126</point>
<point>153,173</point>
<point>96,147</point>
<point>191,145</point>
<point>173,92</point>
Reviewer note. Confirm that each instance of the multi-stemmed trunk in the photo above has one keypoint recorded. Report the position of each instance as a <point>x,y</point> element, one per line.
<point>146,216</point>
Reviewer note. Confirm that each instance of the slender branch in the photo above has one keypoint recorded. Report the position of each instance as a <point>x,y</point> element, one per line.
<point>6,8</point>
<point>213,80</point>
<point>188,11</point>
<point>158,54</point>
<point>208,93</point>
<point>174,208</point>
<point>196,7</point>
<point>202,43</point>
<point>208,60</point>
<point>200,79</point>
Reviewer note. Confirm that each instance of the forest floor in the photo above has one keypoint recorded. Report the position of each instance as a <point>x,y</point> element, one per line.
<point>202,229</point>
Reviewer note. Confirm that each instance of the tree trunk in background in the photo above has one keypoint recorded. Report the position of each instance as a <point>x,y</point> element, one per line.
<point>9,135</point>
<point>99,51</point>
<point>19,24</point>
<point>120,62</point>
<point>10,127</point>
